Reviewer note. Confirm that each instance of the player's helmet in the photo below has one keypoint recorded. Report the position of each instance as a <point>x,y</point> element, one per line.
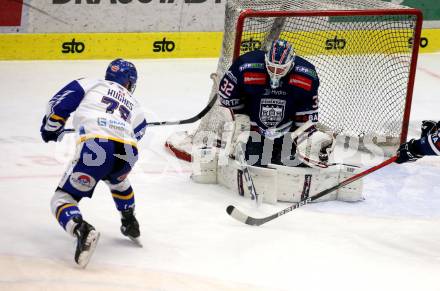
<point>279,60</point>
<point>123,73</point>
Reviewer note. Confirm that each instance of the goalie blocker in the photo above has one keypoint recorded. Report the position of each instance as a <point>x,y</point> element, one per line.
<point>214,162</point>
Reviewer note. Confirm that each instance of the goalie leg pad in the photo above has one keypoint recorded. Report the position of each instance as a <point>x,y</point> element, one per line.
<point>204,165</point>
<point>353,191</point>
<point>212,149</point>
<point>231,176</point>
<point>297,183</point>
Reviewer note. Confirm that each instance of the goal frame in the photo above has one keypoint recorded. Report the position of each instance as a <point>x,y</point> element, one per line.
<point>249,13</point>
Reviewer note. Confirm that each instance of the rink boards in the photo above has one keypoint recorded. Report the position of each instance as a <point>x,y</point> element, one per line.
<point>72,46</point>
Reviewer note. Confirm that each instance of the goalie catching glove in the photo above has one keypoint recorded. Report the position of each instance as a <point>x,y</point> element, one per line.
<point>313,147</point>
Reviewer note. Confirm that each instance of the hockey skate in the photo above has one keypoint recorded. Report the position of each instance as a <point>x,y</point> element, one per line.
<point>130,226</point>
<point>87,238</point>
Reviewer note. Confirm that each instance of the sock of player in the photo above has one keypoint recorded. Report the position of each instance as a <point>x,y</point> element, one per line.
<point>123,199</point>
<point>65,214</point>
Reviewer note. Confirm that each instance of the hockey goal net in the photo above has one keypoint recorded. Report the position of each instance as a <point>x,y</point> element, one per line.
<point>364,51</point>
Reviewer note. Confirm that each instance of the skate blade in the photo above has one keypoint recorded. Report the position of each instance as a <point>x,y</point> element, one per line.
<point>136,240</point>
<point>85,256</point>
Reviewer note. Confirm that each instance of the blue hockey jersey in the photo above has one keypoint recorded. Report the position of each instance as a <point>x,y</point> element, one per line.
<point>245,88</point>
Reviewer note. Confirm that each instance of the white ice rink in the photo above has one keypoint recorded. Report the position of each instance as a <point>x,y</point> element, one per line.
<point>391,241</point>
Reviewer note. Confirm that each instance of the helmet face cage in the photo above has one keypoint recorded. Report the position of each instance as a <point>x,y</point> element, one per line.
<point>279,60</point>
<point>123,73</point>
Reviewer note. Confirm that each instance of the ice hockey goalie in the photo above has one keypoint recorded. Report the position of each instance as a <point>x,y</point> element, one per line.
<point>270,109</point>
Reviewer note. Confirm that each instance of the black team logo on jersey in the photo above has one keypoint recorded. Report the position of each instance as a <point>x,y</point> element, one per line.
<point>335,43</point>
<point>248,45</point>
<point>72,47</point>
<point>163,46</point>
<point>272,111</point>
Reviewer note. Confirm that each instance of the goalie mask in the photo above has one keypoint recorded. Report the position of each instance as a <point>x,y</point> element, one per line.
<point>279,60</point>
<point>122,72</point>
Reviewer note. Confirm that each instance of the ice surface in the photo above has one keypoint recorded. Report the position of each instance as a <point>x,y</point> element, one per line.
<point>391,241</point>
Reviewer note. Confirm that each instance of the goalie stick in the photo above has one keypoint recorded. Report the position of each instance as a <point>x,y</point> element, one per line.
<point>240,216</point>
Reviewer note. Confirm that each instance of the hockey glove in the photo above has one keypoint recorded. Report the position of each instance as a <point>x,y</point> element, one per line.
<point>429,126</point>
<point>407,152</point>
<point>51,128</point>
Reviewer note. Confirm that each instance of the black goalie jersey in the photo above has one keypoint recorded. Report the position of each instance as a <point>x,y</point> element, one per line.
<point>246,89</point>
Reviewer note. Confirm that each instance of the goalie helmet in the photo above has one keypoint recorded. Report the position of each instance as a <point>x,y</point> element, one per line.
<point>123,73</point>
<point>279,60</point>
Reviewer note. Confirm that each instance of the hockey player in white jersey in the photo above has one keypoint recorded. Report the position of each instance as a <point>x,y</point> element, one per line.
<point>109,123</point>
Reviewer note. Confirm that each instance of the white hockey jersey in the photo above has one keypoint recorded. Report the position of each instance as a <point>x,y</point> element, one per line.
<point>103,109</point>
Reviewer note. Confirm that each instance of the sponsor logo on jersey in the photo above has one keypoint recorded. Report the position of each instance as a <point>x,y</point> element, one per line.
<point>251,66</point>
<point>301,82</point>
<point>251,78</point>
<point>73,47</point>
<point>116,125</point>
<point>231,76</point>
<point>304,118</point>
<point>229,102</point>
<point>102,122</point>
<point>307,71</point>
<point>272,111</point>
<point>268,92</point>
<point>82,181</point>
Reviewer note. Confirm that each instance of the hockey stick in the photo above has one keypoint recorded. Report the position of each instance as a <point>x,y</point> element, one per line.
<point>198,116</point>
<point>189,120</point>
<point>240,216</point>
<point>182,121</point>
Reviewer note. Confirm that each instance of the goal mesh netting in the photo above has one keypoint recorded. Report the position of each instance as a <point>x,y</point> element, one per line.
<point>363,52</point>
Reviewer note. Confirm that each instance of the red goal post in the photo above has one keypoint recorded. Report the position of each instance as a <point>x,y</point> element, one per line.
<point>366,61</point>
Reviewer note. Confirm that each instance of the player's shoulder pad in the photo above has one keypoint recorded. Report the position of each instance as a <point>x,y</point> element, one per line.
<point>304,67</point>
<point>88,83</point>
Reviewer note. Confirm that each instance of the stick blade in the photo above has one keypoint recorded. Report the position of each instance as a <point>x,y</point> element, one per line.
<point>240,216</point>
